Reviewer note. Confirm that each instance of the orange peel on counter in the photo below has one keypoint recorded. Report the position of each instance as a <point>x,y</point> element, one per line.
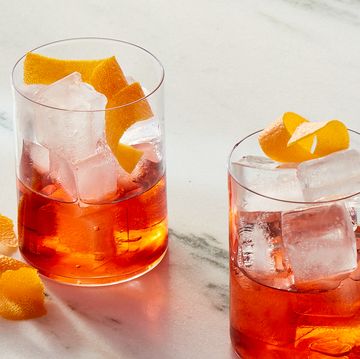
<point>292,138</point>
<point>21,290</point>
<point>8,240</point>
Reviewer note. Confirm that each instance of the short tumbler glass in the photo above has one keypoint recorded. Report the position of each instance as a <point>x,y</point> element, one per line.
<point>82,218</point>
<point>294,274</point>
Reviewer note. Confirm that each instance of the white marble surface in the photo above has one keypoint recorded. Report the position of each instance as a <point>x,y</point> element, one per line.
<point>231,67</point>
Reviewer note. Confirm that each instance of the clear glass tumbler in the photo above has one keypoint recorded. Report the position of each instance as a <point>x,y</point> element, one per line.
<point>294,273</point>
<point>90,162</point>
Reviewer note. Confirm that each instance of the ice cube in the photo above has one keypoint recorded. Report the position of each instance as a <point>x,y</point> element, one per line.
<point>257,162</point>
<point>71,127</point>
<point>39,156</point>
<point>87,229</point>
<point>262,309</point>
<point>34,165</point>
<point>151,151</point>
<point>143,130</point>
<point>147,173</point>
<point>97,176</point>
<point>71,93</point>
<point>260,248</point>
<point>99,223</point>
<point>320,245</point>
<point>264,176</point>
<point>333,176</point>
<point>31,91</point>
<point>342,302</point>
<point>25,111</point>
<point>62,172</point>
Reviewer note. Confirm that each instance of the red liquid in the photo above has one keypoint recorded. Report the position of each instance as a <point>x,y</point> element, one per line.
<point>272,323</point>
<point>92,243</point>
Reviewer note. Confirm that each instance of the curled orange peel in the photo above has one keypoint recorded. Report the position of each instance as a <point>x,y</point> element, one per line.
<point>21,290</point>
<point>8,240</point>
<point>39,69</point>
<point>108,78</point>
<point>331,136</point>
<point>125,108</point>
<point>292,138</point>
<point>128,156</point>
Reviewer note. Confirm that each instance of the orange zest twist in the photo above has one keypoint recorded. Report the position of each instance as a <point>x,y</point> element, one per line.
<point>292,138</point>
<point>8,240</point>
<point>21,290</point>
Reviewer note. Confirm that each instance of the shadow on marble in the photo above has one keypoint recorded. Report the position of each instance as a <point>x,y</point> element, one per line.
<point>112,319</point>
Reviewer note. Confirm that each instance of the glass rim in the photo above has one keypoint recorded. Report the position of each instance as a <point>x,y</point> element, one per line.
<point>154,90</point>
<point>280,199</point>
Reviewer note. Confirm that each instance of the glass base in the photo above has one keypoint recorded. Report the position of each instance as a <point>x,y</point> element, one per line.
<point>99,281</point>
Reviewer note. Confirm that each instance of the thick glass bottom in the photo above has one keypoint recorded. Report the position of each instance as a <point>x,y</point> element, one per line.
<point>100,281</point>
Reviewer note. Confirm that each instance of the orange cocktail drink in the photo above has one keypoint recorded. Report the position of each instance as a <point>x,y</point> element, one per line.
<point>294,242</point>
<point>91,160</point>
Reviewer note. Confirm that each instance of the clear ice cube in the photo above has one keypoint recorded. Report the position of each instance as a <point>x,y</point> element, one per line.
<point>320,245</point>
<point>341,302</point>
<point>257,162</point>
<point>62,172</point>
<point>25,110</point>
<point>39,156</point>
<point>31,91</point>
<point>266,177</point>
<point>75,131</point>
<point>333,176</point>
<point>147,173</point>
<point>151,151</point>
<point>34,165</point>
<point>97,176</point>
<point>260,249</point>
<point>142,130</point>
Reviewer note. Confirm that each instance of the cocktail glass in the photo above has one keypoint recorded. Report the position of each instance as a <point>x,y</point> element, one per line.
<point>294,275</point>
<point>83,218</point>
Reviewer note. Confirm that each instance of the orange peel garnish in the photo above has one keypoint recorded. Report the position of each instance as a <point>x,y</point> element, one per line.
<point>21,290</point>
<point>292,138</point>
<point>118,120</point>
<point>331,136</point>
<point>39,69</point>
<point>128,156</point>
<point>274,139</point>
<point>108,78</point>
<point>8,240</point>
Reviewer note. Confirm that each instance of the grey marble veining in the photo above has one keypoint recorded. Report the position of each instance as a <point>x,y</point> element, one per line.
<point>5,121</point>
<point>344,10</point>
<point>205,247</point>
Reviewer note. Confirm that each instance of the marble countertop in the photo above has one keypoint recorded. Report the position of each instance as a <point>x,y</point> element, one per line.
<point>231,67</point>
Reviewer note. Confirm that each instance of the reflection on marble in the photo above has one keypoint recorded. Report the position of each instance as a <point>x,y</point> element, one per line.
<point>150,317</point>
<point>119,319</point>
